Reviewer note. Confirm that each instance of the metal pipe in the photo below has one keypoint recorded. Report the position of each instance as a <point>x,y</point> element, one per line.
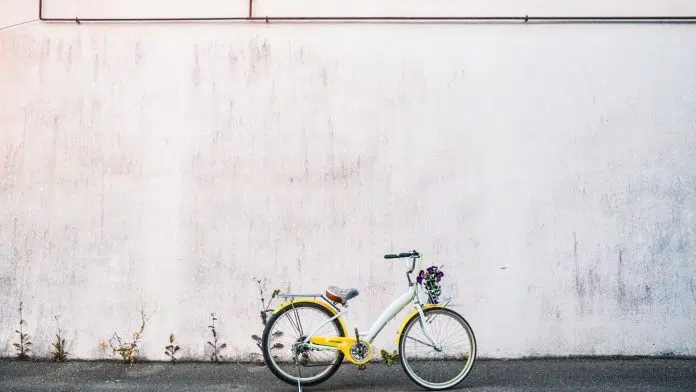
<point>450,19</point>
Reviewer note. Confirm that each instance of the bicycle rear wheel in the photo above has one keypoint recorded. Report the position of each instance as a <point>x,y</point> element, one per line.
<point>291,325</point>
<point>432,368</point>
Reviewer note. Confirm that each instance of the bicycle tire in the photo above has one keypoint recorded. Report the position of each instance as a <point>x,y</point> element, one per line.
<point>409,371</point>
<point>265,346</point>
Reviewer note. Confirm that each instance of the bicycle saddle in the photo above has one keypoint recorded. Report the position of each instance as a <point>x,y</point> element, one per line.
<point>341,295</point>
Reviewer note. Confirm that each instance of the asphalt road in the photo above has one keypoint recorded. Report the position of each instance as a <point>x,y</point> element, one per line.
<point>578,375</point>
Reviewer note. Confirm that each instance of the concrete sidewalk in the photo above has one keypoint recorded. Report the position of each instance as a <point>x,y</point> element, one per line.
<point>582,375</point>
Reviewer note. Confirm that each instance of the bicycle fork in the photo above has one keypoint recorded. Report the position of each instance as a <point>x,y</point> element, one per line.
<point>427,331</point>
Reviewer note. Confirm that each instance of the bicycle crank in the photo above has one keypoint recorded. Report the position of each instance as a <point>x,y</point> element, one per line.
<point>357,350</point>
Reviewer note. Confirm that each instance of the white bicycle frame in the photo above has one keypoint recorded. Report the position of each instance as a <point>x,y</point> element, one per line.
<point>409,297</point>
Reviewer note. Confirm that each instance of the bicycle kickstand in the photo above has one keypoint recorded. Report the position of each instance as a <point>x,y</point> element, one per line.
<point>299,374</point>
<point>357,340</point>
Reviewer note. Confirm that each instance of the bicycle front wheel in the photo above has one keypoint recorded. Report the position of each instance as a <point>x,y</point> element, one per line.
<point>433,367</point>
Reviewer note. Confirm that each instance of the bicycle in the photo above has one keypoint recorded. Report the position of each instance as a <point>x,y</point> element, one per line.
<point>325,344</point>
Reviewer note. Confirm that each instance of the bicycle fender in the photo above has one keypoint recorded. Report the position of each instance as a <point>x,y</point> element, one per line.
<point>414,313</point>
<point>316,301</point>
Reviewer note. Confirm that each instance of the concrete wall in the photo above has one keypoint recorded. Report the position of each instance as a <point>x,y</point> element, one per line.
<point>550,168</point>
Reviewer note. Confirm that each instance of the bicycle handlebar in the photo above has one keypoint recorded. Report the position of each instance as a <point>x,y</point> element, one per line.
<point>401,255</point>
<point>413,254</point>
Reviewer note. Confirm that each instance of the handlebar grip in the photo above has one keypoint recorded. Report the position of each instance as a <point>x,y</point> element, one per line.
<point>391,256</point>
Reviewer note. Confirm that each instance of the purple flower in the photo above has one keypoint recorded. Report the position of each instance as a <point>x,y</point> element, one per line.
<point>432,269</point>
<point>420,277</point>
<point>439,274</point>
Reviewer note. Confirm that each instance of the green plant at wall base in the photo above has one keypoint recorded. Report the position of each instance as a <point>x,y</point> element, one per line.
<point>215,356</point>
<point>59,353</point>
<point>129,351</point>
<point>265,309</point>
<point>171,349</point>
<point>390,359</point>
<point>24,343</point>
<point>265,306</point>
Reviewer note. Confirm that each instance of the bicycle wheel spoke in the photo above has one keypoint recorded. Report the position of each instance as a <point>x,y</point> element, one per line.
<point>299,323</point>
<point>420,341</point>
<point>294,321</point>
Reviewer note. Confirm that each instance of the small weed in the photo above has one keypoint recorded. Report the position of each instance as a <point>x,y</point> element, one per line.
<point>215,356</point>
<point>129,351</point>
<point>390,359</point>
<point>171,349</point>
<point>265,306</point>
<point>59,353</point>
<point>265,309</point>
<point>24,343</point>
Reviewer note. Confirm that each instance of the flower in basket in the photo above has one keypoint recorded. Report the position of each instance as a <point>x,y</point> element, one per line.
<point>431,278</point>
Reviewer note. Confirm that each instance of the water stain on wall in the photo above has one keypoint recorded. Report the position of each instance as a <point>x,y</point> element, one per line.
<point>70,53</point>
<point>45,47</point>
<point>344,170</point>
<point>579,284</point>
<point>11,165</point>
<point>633,291</point>
<point>621,285</point>
<point>587,281</point>
<point>259,51</point>
<point>138,52</point>
<point>232,58</point>
<point>95,67</point>
<point>7,285</point>
<point>259,55</point>
<point>196,73</point>
<point>324,77</point>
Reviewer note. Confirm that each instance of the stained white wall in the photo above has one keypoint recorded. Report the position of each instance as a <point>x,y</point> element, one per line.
<point>550,168</point>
